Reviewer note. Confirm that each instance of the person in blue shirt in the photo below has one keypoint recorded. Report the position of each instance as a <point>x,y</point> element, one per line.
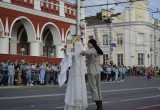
<point>123,72</point>
<point>42,73</point>
<point>108,70</point>
<point>113,72</point>
<point>11,73</point>
<point>28,72</point>
<point>116,73</point>
<point>100,69</point>
<point>55,69</point>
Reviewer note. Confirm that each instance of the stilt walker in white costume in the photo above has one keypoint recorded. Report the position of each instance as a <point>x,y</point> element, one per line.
<point>76,93</point>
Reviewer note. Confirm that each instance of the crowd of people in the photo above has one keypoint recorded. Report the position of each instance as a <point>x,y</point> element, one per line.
<point>118,73</point>
<point>26,73</point>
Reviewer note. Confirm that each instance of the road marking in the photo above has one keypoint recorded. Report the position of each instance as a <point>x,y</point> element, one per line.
<point>148,107</point>
<point>53,95</point>
<point>88,105</point>
<point>119,90</point>
<point>10,87</point>
<point>140,98</point>
<point>33,96</point>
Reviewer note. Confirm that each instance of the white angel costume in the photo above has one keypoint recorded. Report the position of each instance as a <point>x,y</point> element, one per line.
<point>76,93</point>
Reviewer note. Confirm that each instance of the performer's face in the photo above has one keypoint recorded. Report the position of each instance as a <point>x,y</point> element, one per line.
<point>90,45</point>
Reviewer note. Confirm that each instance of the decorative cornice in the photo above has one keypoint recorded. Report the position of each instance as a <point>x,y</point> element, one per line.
<point>35,12</point>
<point>124,24</point>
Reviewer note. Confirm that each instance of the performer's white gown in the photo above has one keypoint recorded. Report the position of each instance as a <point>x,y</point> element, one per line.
<point>76,93</point>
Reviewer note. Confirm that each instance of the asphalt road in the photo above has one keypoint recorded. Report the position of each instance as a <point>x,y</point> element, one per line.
<point>135,93</point>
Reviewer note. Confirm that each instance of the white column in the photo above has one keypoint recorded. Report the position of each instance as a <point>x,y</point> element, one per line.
<point>97,35</point>
<point>132,12</point>
<point>127,56</point>
<point>126,15</point>
<point>4,45</point>
<point>59,53</point>
<point>35,49</point>
<point>148,38</point>
<point>61,9</point>
<point>132,47</point>
<point>37,5</point>
<point>13,45</point>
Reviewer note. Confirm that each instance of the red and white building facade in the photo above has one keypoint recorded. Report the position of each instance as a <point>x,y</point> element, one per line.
<point>35,27</point>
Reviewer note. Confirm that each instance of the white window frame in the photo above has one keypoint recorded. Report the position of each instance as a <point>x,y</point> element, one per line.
<point>119,39</point>
<point>141,58</point>
<point>140,38</point>
<point>105,58</point>
<point>105,39</point>
<point>119,59</point>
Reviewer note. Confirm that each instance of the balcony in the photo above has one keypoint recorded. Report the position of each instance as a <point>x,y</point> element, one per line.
<point>51,7</point>
<point>59,8</point>
<point>24,3</point>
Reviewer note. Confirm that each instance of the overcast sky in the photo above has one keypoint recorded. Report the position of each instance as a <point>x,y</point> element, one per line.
<point>153,4</point>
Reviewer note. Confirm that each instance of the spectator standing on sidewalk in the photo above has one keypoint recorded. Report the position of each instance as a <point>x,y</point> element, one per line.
<point>123,72</point>
<point>55,69</point>
<point>1,76</point>
<point>100,69</point>
<point>28,73</point>
<point>113,72</point>
<point>116,73</point>
<point>108,70</point>
<point>47,75</point>
<point>11,73</point>
<point>42,73</point>
<point>5,74</point>
<point>17,69</point>
<point>33,71</point>
<point>120,72</point>
<point>20,74</point>
<point>134,70</point>
<point>23,75</point>
<point>52,74</point>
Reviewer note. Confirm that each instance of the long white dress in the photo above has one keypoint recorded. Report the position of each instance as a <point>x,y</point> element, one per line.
<point>76,93</point>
